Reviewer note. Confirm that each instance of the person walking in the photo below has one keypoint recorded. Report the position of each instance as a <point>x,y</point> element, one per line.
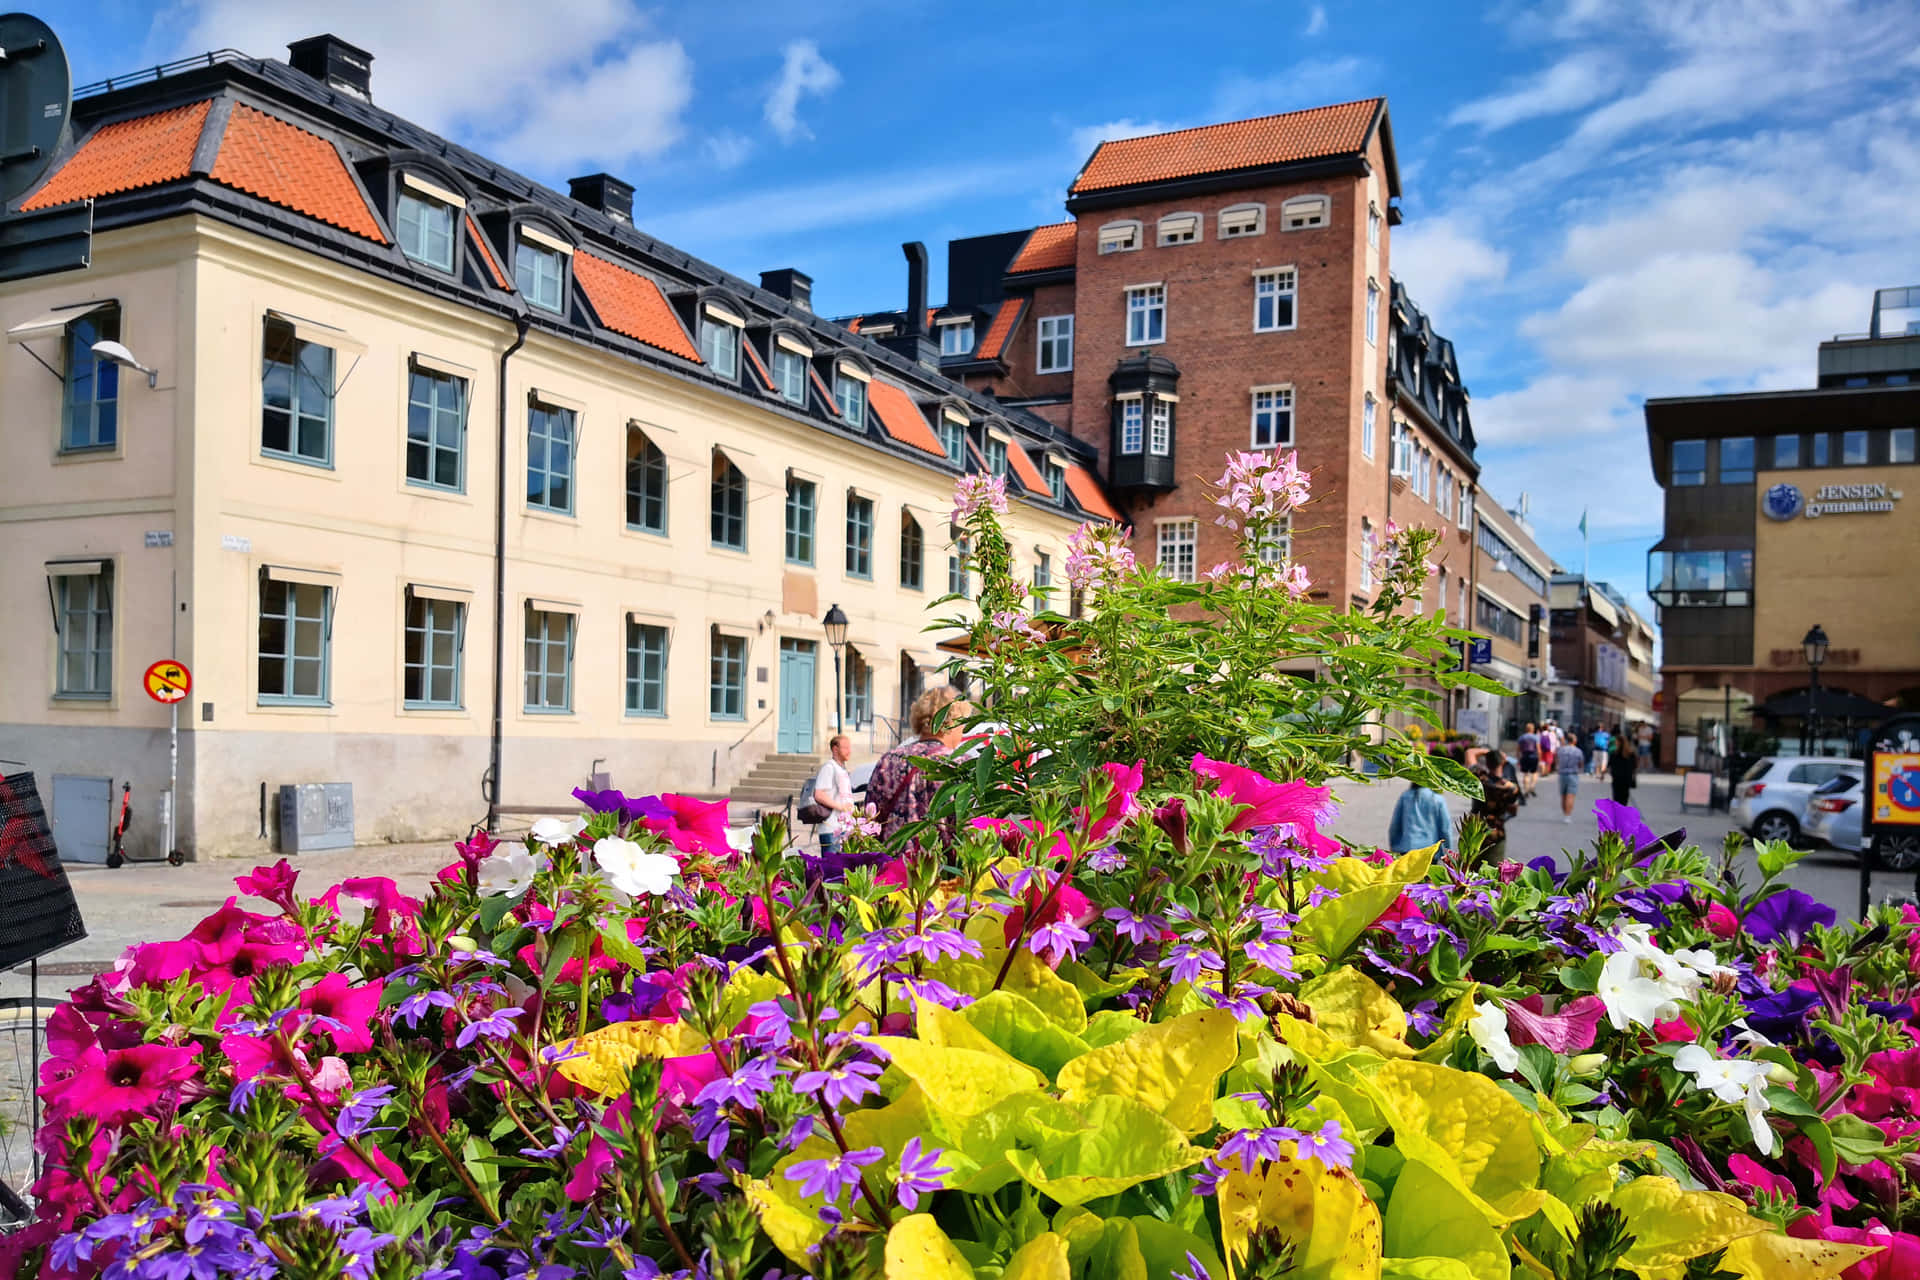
<point>1420,820</point>
<point>900,791</point>
<point>1549,739</point>
<point>833,791</point>
<point>1568,760</point>
<point>1625,772</point>
<point>1529,762</point>
<point>1499,800</point>
<point>1602,744</point>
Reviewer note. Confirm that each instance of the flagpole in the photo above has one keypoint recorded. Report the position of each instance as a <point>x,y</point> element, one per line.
<point>1586,545</point>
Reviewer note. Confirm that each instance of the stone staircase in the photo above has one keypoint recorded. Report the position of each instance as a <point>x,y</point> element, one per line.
<point>773,782</point>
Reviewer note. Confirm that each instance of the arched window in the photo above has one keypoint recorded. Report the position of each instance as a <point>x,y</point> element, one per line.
<point>729,504</point>
<point>646,484</point>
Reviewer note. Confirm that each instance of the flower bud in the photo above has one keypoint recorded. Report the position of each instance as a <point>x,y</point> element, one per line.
<point>461,942</point>
<point>1586,1064</point>
<point>1782,1076</point>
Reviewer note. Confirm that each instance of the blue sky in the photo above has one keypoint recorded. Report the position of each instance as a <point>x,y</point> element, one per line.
<point>1606,199</point>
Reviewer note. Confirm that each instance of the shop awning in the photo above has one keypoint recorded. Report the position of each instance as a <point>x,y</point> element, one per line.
<point>1834,704</point>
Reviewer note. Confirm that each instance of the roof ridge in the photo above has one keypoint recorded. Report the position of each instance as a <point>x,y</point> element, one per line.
<point>1227,124</point>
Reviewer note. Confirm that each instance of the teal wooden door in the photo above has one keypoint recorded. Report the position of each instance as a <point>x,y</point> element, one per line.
<point>795,735</point>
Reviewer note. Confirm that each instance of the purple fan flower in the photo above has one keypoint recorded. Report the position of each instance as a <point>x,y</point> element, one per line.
<point>1424,1017</point>
<point>935,944</point>
<point>415,1006</point>
<point>832,1176</point>
<point>1243,1003</point>
<point>362,1110</point>
<point>1787,917</point>
<point>1327,1146</point>
<point>843,1085</point>
<point>1135,929</point>
<point>561,1136</point>
<point>497,1025</point>
<point>1196,1270</point>
<point>356,1250</point>
<point>932,990</point>
<point>921,1173</point>
<point>1107,859</point>
<point>1250,1146</point>
<point>1061,939</point>
<point>1418,935</point>
<point>1381,963</point>
<point>1273,955</point>
<point>1188,962</point>
<point>1320,893</point>
<point>743,1088</point>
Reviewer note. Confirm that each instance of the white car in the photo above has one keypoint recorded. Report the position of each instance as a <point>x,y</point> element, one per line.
<point>1833,817</point>
<point>1770,801</point>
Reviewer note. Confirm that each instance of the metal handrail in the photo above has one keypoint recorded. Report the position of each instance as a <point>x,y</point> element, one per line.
<point>749,733</point>
<point>162,71</point>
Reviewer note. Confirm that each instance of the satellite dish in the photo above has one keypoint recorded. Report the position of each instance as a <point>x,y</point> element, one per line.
<point>36,97</point>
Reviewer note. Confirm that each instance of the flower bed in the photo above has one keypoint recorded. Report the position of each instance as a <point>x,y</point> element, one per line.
<point>1158,1028</point>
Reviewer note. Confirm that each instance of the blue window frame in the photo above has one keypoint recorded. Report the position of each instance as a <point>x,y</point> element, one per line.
<point>436,429</point>
<point>296,382</point>
<point>550,458</point>
<point>790,374</point>
<point>91,417</point>
<point>850,394</point>
<point>83,614</point>
<point>296,634</point>
<point>646,484</point>
<point>729,504</point>
<point>800,520</point>
<point>646,669</point>
<point>727,677</point>
<point>539,274</point>
<point>425,228</point>
<point>549,661</point>
<point>859,536</point>
<point>435,638</point>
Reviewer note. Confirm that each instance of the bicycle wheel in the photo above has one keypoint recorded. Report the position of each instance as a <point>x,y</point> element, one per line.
<point>23,1030</point>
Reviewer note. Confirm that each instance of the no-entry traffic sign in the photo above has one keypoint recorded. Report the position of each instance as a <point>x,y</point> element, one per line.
<point>168,681</point>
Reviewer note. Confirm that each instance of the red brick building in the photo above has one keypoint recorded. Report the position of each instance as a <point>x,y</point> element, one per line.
<point>1219,289</point>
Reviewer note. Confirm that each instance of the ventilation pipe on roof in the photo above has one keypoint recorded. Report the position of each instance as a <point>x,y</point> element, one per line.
<point>794,285</point>
<point>334,63</point>
<point>606,193</point>
<point>916,287</point>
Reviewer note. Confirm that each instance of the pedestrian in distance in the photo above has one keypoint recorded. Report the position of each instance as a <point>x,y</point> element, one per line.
<point>1420,820</point>
<point>899,790</point>
<point>1602,743</point>
<point>1626,770</point>
<point>833,791</point>
<point>1529,761</point>
<point>1568,760</point>
<point>1549,739</point>
<point>1499,800</point>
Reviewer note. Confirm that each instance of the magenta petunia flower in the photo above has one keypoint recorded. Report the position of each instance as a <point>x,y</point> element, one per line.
<point>346,1011</point>
<point>274,883</point>
<point>1569,1029</point>
<point>1120,805</point>
<point>1295,805</point>
<point>123,1084</point>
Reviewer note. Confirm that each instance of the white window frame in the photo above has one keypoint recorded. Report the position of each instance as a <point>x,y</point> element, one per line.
<point>1373,225</point>
<point>1277,544</point>
<point>721,336</point>
<point>429,203</point>
<point>1120,237</point>
<point>1177,548</point>
<point>1146,301</point>
<point>1178,228</point>
<point>956,337</point>
<point>1237,222</point>
<point>1369,412</point>
<point>1279,406</point>
<point>1373,313</point>
<point>785,359</point>
<point>1133,426</point>
<point>849,391</point>
<point>1160,427</point>
<point>1276,283</point>
<point>1309,212</point>
<point>544,251</point>
<point>1053,332</point>
<point>1464,518</point>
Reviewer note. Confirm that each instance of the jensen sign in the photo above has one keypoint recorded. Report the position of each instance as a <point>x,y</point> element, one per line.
<point>1785,501</point>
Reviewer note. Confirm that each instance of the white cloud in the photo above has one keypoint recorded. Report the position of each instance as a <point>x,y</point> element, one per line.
<point>444,65</point>
<point>855,200</point>
<point>1085,138</point>
<point>1552,409</point>
<point>1316,21</point>
<point>1567,85</point>
<point>726,149</point>
<point>1438,258</point>
<point>803,72</point>
<point>1311,82</point>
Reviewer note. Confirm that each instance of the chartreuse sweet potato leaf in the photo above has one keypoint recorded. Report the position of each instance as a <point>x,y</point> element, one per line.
<point>1015,1024</point>
<point>1338,1071</point>
<point>1586,1171</point>
<point>1772,1256</point>
<point>917,1249</point>
<point>1053,995</point>
<point>1123,1144</point>
<point>907,1116</point>
<point>1116,1253</point>
<point>1351,1007</point>
<point>606,1055</point>
<point>1465,1128</point>
<point>1110,1026</point>
<point>958,1083</point>
<point>1094,987</point>
<point>791,1223</point>
<point>1042,1258</point>
<point>1366,891</point>
<point>1170,1067</point>
<point>1424,1269</point>
<point>1428,1217</point>
<point>1670,1224</point>
<point>1021,1122</point>
<point>951,1029</point>
<point>1334,1227</point>
<point>1165,1248</point>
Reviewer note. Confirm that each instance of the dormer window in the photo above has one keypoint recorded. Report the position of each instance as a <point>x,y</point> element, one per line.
<point>790,357</point>
<point>1179,228</point>
<point>956,338</point>
<point>1303,212</point>
<point>953,435</point>
<point>876,331</point>
<point>1056,473</point>
<point>720,340</point>
<point>424,218</point>
<point>996,451</point>
<point>1242,220</point>
<point>850,393</point>
<point>1119,237</point>
<point>540,268</point>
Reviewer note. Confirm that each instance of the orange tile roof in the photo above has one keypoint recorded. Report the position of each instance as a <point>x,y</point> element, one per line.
<point>853,325</point>
<point>126,156</point>
<point>1000,330</point>
<point>1048,248</point>
<point>753,358</point>
<point>283,164</point>
<point>486,255</point>
<point>1086,492</point>
<point>1023,467</point>
<point>1219,148</point>
<point>902,417</point>
<point>628,302</point>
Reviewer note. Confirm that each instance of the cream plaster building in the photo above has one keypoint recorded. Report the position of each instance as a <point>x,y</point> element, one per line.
<point>317,509</point>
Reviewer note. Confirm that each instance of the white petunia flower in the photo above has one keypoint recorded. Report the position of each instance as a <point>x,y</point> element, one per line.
<point>1763,1136</point>
<point>631,869</point>
<point>1488,1027</point>
<point>510,869</point>
<point>1631,997</point>
<point>1728,1079</point>
<point>553,832</point>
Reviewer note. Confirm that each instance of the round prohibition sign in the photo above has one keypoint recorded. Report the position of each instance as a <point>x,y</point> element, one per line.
<point>168,681</point>
<point>1904,789</point>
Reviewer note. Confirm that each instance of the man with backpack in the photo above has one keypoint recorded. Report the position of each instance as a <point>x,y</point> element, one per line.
<point>832,794</point>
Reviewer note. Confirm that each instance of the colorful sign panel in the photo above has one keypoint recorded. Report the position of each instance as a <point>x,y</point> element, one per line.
<point>1896,788</point>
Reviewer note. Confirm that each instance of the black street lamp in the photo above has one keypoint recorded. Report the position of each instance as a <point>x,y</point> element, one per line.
<point>836,626</point>
<point>1815,644</point>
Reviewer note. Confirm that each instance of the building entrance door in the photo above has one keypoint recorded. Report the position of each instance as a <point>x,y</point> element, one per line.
<point>795,734</point>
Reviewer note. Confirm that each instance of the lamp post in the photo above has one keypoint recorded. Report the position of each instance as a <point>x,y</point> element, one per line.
<point>1815,644</point>
<point>836,627</point>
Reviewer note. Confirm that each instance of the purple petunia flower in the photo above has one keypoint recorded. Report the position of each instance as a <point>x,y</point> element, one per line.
<point>921,1173</point>
<point>1624,820</point>
<point>832,1176</point>
<point>1787,916</point>
<point>843,1085</point>
<point>497,1025</point>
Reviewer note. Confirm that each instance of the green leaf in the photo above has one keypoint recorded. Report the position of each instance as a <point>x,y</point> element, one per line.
<point>1019,1122</point>
<point>1670,1224</point>
<point>1016,1025</point>
<point>1166,1246</point>
<point>1538,1066</point>
<point>477,1154</point>
<point>1429,1217</point>
<point>1125,1143</point>
<point>1425,1269</point>
<point>1117,1252</point>
<point>1110,1026</point>
<point>1856,1141</point>
<point>958,1083</point>
<point>1775,857</point>
<point>1821,1137</point>
<point>494,909</point>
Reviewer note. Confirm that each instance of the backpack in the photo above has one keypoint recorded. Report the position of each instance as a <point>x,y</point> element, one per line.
<point>808,810</point>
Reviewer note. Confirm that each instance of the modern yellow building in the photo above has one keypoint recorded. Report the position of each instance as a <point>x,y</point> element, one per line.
<point>438,464</point>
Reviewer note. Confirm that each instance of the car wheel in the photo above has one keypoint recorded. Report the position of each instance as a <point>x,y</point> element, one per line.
<point>1900,853</point>
<point>1772,827</point>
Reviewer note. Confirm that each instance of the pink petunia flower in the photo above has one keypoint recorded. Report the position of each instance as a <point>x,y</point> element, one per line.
<point>345,1011</point>
<point>124,1083</point>
<point>1569,1029</point>
<point>274,883</point>
<point>1299,806</point>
